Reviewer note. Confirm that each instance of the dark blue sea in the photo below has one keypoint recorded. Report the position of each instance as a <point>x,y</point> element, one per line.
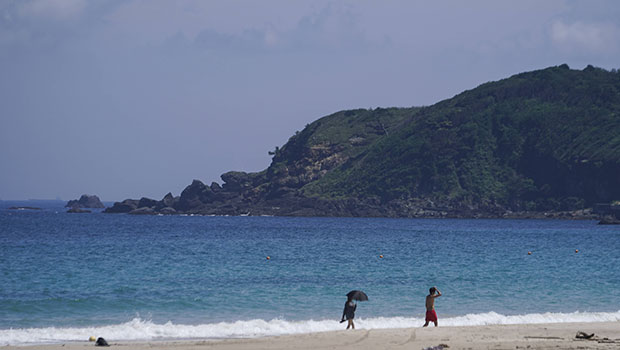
<point>65,277</point>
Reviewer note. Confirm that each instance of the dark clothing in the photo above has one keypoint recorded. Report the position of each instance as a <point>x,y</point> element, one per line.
<point>101,342</point>
<point>349,310</point>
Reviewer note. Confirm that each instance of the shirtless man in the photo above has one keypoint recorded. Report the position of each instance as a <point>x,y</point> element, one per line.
<point>431,315</point>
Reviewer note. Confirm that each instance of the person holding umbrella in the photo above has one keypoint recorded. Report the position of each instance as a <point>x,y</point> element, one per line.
<point>348,313</point>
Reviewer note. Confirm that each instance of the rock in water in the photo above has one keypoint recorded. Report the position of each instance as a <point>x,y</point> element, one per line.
<point>609,220</point>
<point>143,211</point>
<point>85,201</point>
<point>167,211</point>
<point>168,200</point>
<point>123,207</point>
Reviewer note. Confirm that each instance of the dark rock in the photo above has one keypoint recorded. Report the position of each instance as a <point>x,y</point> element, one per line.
<point>195,195</point>
<point>123,207</point>
<point>167,211</point>
<point>607,209</point>
<point>236,180</point>
<point>215,187</point>
<point>143,211</point>
<point>609,220</point>
<point>78,210</point>
<point>168,200</point>
<point>85,201</point>
<point>101,342</point>
<point>147,202</point>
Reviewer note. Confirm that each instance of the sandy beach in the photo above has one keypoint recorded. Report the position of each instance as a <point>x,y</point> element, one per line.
<point>528,336</point>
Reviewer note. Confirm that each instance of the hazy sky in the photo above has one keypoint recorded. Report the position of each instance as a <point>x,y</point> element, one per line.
<point>135,98</point>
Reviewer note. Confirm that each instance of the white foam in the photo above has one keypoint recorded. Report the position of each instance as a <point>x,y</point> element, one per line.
<point>143,330</point>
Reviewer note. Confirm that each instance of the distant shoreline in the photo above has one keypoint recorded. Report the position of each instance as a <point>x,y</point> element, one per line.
<point>426,213</point>
<point>585,214</point>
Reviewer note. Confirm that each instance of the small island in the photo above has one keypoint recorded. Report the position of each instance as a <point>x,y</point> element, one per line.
<point>85,201</point>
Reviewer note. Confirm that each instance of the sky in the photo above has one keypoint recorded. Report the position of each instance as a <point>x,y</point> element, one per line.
<point>136,98</point>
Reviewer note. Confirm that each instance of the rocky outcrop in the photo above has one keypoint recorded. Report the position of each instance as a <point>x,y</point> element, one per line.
<point>609,220</point>
<point>143,211</point>
<point>168,200</point>
<point>146,202</point>
<point>279,191</point>
<point>194,196</point>
<point>167,211</point>
<point>474,155</point>
<point>123,207</point>
<point>85,201</point>
<point>145,206</point>
<point>263,198</point>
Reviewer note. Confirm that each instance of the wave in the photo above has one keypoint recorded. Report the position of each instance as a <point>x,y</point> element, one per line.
<point>145,330</point>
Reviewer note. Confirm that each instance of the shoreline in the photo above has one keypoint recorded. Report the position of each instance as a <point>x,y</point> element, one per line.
<point>585,214</point>
<point>525,336</point>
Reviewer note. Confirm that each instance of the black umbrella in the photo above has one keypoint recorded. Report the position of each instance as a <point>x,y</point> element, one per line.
<point>357,295</point>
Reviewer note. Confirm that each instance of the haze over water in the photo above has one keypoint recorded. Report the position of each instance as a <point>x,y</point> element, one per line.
<point>65,276</point>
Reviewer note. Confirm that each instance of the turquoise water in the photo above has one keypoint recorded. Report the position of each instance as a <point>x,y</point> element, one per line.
<point>64,276</point>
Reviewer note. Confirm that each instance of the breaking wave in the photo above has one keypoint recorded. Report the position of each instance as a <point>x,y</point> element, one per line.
<point>144,330</point>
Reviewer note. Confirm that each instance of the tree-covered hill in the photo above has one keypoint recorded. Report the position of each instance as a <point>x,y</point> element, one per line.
<point>547,140</point>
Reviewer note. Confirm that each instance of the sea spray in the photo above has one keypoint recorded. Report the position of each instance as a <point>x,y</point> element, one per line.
<point>145,330</point>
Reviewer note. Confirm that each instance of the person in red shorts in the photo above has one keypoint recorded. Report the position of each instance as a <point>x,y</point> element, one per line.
<point>431,315</point>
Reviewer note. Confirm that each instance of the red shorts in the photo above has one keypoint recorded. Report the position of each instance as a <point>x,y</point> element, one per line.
<point>431,316</point>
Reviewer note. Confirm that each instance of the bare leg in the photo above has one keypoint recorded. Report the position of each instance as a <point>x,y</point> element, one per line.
<point>351,324</point>
<point>435,323</point>
<point>426,324</point>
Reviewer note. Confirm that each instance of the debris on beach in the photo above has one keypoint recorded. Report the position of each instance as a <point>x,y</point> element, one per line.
<point>101,342</point>
<point>585,336</point>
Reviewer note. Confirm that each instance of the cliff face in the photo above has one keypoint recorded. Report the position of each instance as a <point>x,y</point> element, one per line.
<point>546,140</point>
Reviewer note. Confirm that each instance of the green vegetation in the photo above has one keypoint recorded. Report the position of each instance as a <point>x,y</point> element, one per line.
<point>542,140</point>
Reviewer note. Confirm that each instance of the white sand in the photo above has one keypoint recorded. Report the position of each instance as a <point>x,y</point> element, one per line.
<point>532,336</point>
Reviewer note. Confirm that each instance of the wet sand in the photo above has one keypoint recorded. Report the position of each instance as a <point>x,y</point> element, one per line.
<point>529,336</point>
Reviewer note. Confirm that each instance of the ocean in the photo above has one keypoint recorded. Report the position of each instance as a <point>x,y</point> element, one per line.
<point>65,277</point>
